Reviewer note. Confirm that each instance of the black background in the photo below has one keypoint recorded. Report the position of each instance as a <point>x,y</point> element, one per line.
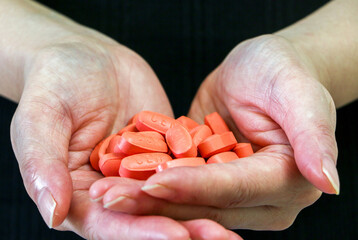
<point>184,41</point>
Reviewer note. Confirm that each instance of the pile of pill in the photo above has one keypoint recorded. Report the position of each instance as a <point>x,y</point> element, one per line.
<point>152,142</point>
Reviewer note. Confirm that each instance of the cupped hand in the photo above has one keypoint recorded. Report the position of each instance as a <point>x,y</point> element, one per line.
<point>270,96</point>
<point>77,92</point>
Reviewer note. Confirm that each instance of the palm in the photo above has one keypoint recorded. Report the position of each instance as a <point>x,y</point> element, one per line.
<point>263,87</point>
<point>269,97</point>
<point>116,115</point>
<point>75,96</point>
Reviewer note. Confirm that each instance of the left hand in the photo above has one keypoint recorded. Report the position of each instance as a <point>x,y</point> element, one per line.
<point>269,95</point>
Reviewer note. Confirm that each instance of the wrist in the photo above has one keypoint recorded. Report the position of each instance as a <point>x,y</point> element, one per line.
<point>37,28</point>
<point>327,39</point>
<point>312,60</point>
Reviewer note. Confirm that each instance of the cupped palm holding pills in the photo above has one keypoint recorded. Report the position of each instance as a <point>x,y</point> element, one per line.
<point>152,142</point>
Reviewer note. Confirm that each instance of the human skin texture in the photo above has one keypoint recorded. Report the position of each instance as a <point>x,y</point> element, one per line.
<point>279,92</point>
<point>76,86</point>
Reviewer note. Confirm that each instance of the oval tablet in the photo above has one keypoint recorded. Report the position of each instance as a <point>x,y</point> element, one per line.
<point>103,149</point>
<point>217,143</point>
<point>94,157</point>
<point>243,150</point>
<point>216,123</point>
<point>181,162</point>
<point>187,122</point>
<point>129,128</point>
<point>180,142</point>
<point>151,121</point>
<point>109,164</point>
<point>142,166</point>
<point>200,133</point>
<point>222,157</point>
<point>152,134</point>
<point>134,143</point>
<point>113,144</point>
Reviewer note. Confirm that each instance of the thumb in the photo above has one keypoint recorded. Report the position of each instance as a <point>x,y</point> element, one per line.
<point>308,117</point>
<point>40,133</point>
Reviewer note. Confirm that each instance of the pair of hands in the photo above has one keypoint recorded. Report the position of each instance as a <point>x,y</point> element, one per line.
<point>78,92</point>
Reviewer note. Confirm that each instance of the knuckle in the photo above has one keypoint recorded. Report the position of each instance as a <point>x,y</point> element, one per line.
<point>280,219</point>
<point>91,233</point>
<point>130,62</point>
<point>215,215</point>
<point>303,197</point>
<point>241,192</point>
<point>28,169</point>
<point>233,191</point>
<point>66,59</point>
<point>308,197</point>
<point>282,224</point>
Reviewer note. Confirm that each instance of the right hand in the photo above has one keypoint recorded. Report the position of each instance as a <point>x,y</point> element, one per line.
<point>76,93</point>
<point>267,94</point>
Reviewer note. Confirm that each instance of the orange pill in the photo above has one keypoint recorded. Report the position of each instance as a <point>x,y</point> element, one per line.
<point>103,149</point>
<point>129,128</point>
<point>134,143</point>
<point>142,166</point>
<point>187,122</point>
<point>217,143</point>
<point>222,157</point>
<point>181,162</point>
<point>113,144</point>
<point>151,121</point>
<point>152,134</point>
<point>94,157</point>
<point>243,150</point>
<point>200,133</point>
<point>180,142</point>
<point>109,164</point>
<point>216,123</point>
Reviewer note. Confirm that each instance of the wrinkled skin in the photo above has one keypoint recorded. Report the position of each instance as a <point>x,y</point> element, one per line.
<point>269,95</point>
<point>76,93</point>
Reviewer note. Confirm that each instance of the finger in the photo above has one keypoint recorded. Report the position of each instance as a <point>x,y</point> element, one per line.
<point>99,188</point>
<point>91,221</point>
<point>258,218</point>
<point>267,177</point>
<point>234,236</point>
<point>40,136</point>
<point>202,229</point>
<point>114,225</point>
<point>309,123</point>
<point>126,197</point>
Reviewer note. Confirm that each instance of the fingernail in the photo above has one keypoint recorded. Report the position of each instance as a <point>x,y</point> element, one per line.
<point>47,206</point>
<point>97,199</point>
<point>117,200</point>
<point>330,171</point>
<point>158,190</point>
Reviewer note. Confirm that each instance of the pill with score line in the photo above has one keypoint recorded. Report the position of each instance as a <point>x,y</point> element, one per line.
<point>134,143</point>
<point>151,121</point>
<point>180,142</point>
<point>142,166</point>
